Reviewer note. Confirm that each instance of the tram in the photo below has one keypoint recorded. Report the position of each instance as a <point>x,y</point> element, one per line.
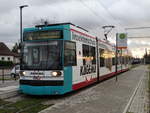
<point>60,58</point>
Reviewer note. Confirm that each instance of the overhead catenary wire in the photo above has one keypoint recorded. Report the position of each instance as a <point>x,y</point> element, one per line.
<point>102,17</point>
<point>107,10</point>
<point>92,11</point>
<point>139,37</point>
<point>95,14</point>
<point>133,28</point>
<point>137,28</point>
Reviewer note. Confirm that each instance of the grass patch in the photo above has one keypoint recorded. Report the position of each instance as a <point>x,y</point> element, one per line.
<point>29,105</point>
<point>7,79</point>
<point>149,84</point>
<point>3,102</point>
<point>149,77</point>
<point>35,109</point>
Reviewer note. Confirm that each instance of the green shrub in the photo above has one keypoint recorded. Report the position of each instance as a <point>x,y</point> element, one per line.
<point>6,64</point>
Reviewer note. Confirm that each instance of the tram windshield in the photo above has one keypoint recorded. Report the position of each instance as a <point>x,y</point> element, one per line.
<point>42,56</point>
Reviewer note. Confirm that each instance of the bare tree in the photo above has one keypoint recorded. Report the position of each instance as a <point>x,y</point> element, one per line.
<point>16,48</point>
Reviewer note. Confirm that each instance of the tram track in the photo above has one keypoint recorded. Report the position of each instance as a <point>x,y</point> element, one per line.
<point>22,103</point>
<point>25,104</point>
<point>7,101</point>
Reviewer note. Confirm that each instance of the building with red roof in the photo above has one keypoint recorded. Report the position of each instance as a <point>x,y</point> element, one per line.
<point>7,55</point>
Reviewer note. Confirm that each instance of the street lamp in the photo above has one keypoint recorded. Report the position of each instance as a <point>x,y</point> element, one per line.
<point>21,7</point>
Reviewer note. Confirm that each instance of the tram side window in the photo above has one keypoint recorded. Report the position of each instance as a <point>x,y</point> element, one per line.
<point>85,53</point>
<point>92,54</point>
<point>70,53</point>
<point>88,54</point>
<point>113,60</point>
<point>102,59</point>
<point>123,60</point>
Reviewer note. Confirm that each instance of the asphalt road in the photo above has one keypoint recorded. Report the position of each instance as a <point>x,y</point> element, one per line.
<point>107,97</point>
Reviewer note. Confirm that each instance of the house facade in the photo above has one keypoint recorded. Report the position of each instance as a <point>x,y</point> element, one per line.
<point>7,55</point>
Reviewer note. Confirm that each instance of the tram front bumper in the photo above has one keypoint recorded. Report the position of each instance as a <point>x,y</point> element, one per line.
<point>42,87</point>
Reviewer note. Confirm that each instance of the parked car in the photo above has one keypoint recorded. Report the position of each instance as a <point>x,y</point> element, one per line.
<point>136,61</point>
<point>15,71</point>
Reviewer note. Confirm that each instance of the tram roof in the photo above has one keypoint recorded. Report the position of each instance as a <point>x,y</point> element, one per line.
<point>69,23</point>
<point>57,24</point>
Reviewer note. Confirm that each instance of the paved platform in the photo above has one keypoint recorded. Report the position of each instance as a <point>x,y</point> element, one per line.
<point>9,88</point>
<point>140,103</point>
<point>107,97</point>
<point>9,83</point>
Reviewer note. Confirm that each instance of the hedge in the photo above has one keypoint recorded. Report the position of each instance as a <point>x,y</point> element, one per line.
<point>6,64</point>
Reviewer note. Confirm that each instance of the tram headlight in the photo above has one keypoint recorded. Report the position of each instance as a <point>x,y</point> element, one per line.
<point>56,73</point>
<point>22,73</point>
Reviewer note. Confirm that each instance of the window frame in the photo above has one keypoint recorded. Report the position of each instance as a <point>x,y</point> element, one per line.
<point>89,53</point>
<point>26,66</point>
<point>100,64</point>
<point>3,58</point>
<point>8,58</point>
<point>74,63</point>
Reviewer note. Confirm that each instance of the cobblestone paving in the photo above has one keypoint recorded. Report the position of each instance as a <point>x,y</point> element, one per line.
<point>140,102</point>
<point>107,97</point>
<point>9,88</point>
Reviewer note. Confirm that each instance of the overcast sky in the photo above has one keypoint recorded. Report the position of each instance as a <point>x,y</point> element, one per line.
<point>89,14</point>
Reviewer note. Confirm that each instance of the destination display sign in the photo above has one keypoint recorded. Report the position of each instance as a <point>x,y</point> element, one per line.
<point>39,35</point>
